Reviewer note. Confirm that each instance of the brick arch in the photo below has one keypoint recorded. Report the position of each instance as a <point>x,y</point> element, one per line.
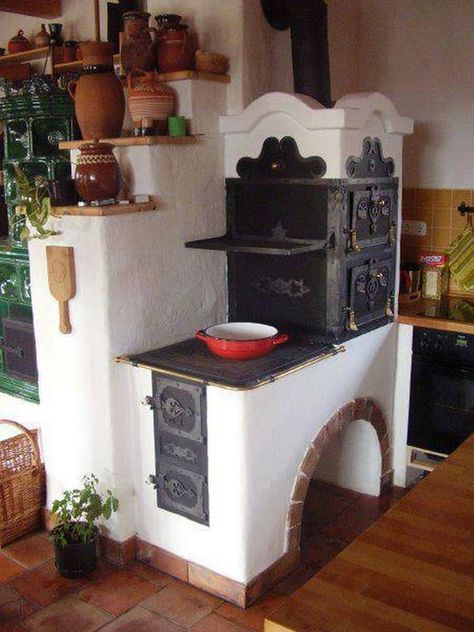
<point>364,409</point>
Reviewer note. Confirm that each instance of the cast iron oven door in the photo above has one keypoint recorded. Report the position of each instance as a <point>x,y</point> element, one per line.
<point>19,349</point>
<point>180,448</point>
<point>370,292</point>
<point>373,217</point>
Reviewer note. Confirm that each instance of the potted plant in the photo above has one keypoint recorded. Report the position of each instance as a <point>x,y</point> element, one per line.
<point>34,209</point>
<point>75,534</point>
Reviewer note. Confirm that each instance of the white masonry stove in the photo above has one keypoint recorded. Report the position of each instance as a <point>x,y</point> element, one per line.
<point>231,453</point>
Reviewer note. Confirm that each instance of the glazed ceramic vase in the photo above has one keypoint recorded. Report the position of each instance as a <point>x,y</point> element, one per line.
<point>98,94</point>
<point>175,49</point>
<point>138,49</point>
<point>149,99</point>
<point>98,176</point>
<point>19,43</point>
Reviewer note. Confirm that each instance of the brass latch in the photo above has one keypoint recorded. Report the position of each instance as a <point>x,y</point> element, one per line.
<point>388,308</point>
<point>353,239</point>
<point>351,323</point>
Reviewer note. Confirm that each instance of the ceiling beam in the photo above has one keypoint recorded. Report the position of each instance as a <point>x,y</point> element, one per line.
<point>38,8</point>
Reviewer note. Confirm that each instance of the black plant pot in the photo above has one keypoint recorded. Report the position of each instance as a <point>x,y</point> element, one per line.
<point>77,560</point>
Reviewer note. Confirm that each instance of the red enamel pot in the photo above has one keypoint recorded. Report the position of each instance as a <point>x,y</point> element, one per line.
<point>241,341</point>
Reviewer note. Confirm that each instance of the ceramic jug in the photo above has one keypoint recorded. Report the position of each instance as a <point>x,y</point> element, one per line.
<point>175,49</point>
<point>138,49</point>
<point>98,176</point>
<point>42,37</point>
<point>19,43</point>
<point>98,94</point>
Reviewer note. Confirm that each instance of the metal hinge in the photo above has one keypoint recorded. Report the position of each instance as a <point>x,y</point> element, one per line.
<point>149,401</point>
<point>391,233</point>
<point>157,481</point>
<point>351,323</point>
<point>353,240</point>
<point>388,308</point>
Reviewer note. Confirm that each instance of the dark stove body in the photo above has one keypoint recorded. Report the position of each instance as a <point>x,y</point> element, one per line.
<point>314,257</point>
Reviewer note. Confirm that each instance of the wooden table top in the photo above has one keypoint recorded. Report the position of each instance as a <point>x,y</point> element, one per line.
<point>412,570</point>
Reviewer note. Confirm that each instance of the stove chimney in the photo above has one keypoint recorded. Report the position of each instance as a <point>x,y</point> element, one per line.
<point>308,21</point>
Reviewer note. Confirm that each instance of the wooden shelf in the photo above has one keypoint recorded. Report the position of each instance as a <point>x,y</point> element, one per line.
<point>132,141</point>
<point>193,74</point>
<point>104,211</point>
<point>36,8</point>
<point>75,65</point>
<point>27,55</point>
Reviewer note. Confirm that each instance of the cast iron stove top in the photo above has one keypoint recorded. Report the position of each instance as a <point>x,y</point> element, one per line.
<point>191,359</point>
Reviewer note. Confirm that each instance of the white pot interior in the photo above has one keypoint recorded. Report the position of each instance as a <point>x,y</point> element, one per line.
<point>241,331</point>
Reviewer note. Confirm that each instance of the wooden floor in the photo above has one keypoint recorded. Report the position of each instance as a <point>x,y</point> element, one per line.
<point>413,570</point>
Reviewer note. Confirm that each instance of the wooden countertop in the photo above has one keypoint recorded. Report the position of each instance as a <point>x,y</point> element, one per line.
<point>408,315</point>
<point>412,570</point>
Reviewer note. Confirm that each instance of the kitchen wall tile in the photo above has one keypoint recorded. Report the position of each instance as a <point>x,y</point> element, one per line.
<point>408,198</point>
<point>442,198</point>
<point>442,217</point>
<point>441,237</point>
<point>424,198</point>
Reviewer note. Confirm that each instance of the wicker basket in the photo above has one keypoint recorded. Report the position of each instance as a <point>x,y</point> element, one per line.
<point>22,484</point>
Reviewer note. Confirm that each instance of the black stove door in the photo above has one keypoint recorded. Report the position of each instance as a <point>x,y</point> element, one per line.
<point>373,217</point>
<point>371,292</point>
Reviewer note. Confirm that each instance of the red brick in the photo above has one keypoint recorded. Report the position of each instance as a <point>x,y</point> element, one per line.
<point>300,488</point>
<point>320,441</point>
<point>359,409</point>
<point>293,537</point>
<point>309,462</point>
<point>295,514</point>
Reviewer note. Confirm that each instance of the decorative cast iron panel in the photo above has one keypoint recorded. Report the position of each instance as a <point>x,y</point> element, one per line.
<point>182,492</point>
<point>281,159</point>
<point>373,216</point>
<point>371,290</point>
<point>180,447</point>
<point>371,164</point>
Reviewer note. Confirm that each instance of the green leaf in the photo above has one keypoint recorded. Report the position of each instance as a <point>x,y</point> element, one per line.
<point>24,233</point>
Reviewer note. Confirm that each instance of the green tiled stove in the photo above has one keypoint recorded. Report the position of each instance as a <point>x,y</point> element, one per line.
<point>35,118</point>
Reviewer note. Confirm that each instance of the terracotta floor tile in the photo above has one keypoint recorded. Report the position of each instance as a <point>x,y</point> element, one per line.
<point>8,626</point>
<point>319,549</point>
<point>350,524</point>
<point>31,551</point>
<point>182,604</point>
<point>69,615</point>
<point>44,585</point>
<point>215,623</point>
<point>152,574</point>
<point>117,592</point>
<point>253,617</point>
<point>10,604</point>
<point>141,620</point>
<point>324,502</point>
<point>9,569</point>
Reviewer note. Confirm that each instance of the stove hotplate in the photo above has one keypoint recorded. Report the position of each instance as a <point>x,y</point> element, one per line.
<point>449,308</point>
<point>192,360</point>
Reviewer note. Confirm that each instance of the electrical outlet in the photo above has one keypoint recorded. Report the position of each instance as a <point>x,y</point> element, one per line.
<point>412,227</point>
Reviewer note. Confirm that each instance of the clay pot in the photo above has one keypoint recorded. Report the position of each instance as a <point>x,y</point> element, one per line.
<point>42,37</point>
<point>138,49</point>
<point>150,99</point>
<point>167,20</point>
<point>98,94</point>
<point>69,52</point>
<point>19,43</point>
<point>98,176</point>
<point>175,49</point>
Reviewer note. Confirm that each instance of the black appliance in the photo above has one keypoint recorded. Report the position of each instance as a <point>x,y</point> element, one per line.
<point>442,390</point>
<point>314,257</point>
<point>18,346</point>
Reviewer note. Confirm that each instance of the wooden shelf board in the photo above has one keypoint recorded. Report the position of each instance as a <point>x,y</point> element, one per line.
<point>132,141</point>
<point>74,65</point>
<point>104,211</point>
<point>193,74</point>
<point>27,55</point>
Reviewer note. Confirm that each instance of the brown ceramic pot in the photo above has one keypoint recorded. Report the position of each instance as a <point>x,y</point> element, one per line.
<point>98,94</point>
<point>19,43</point>
<point>150,99</point>
<point>138,49</point>
<point>175,50</point>
<point>98,176</point>
<point>42,38</point>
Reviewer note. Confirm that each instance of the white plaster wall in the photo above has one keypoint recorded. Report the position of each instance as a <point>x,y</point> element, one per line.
<point>137,288</point>
<point>257,440</point>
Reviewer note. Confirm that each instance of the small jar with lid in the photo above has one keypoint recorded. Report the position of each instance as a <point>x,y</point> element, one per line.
<point>435,275</point>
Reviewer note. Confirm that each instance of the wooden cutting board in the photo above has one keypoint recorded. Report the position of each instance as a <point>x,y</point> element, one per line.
<point>62,281</point>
